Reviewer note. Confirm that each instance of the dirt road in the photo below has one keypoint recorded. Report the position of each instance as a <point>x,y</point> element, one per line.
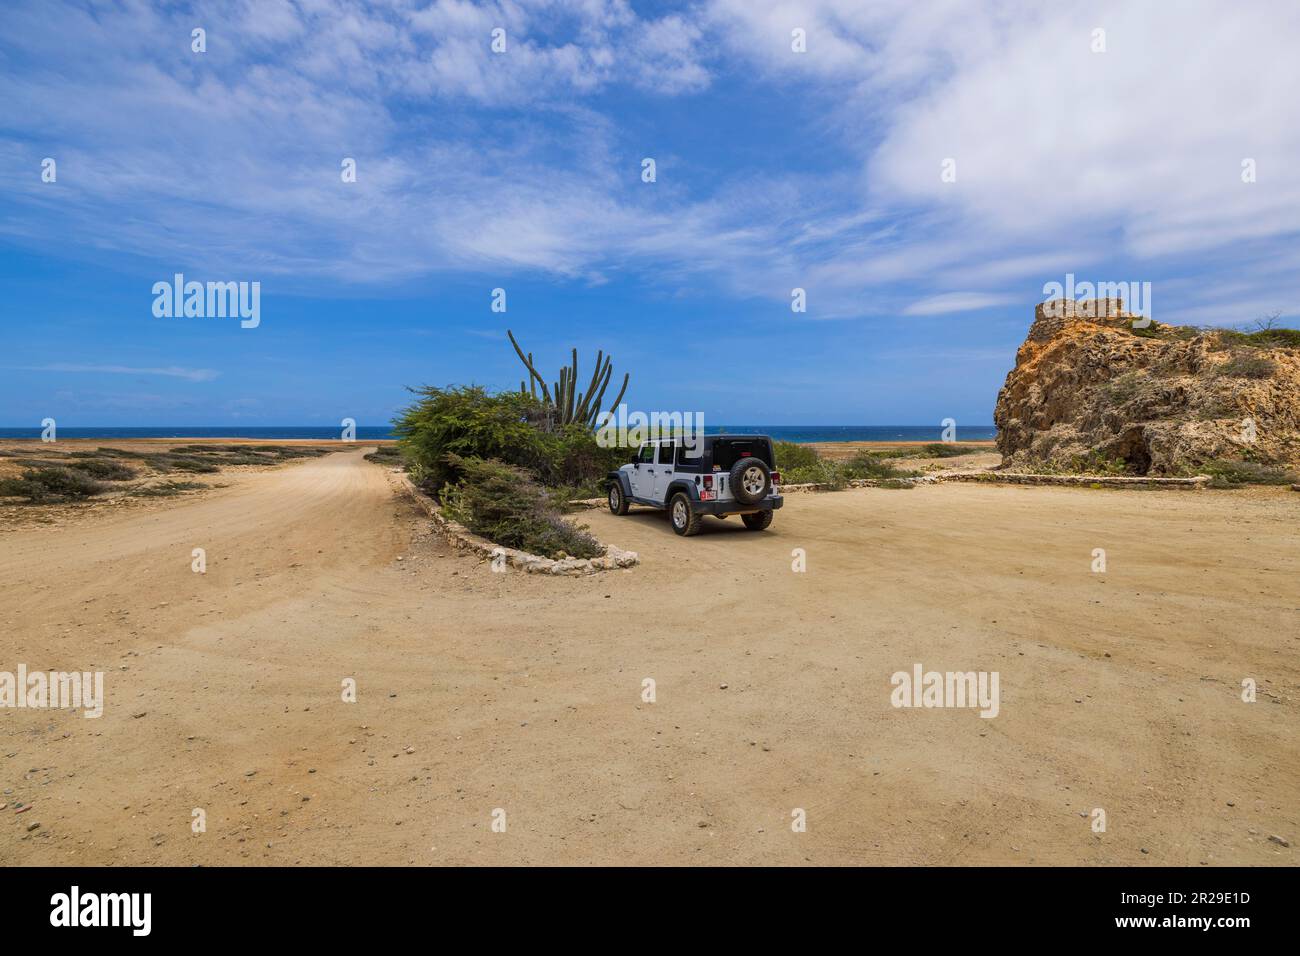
<point>479,691</point>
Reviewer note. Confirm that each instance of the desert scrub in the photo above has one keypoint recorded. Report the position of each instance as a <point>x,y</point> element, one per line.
<point>167,489</point>
<point>1244,365</point>
<point>386,455</point>
<point>790,455</point>
<point>944,450</point>
<point>190,463</point>
<point>1094,463</point>
<point>1221,338</point>
<point>103,469</point>
<point>1237,474</point>
<point>1122,388</point>
<point>1263,339</point>
<point>503,503</point>
<point>220,455</point>
<point>800,464</point>
<point>866,465</point>
<point>935,449</point>
<point>43,485</point>
<point>100,467</point>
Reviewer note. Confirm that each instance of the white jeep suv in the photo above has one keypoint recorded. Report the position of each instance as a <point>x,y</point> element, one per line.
<point>722,475</point>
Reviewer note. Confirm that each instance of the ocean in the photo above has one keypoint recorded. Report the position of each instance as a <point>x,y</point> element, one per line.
<point>795,433</point>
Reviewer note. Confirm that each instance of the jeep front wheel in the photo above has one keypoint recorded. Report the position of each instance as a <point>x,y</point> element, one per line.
<point>617,500</point>
<point>682,516</point>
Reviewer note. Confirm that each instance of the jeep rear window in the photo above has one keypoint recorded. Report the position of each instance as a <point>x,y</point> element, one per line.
<point>666,453</point>
<point>689,457</point>
<point>727,451</point>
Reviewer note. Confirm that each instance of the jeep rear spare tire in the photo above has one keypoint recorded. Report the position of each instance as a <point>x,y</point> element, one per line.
<point>750,480</point>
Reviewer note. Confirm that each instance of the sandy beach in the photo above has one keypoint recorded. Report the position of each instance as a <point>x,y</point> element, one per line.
<point>479,691</point>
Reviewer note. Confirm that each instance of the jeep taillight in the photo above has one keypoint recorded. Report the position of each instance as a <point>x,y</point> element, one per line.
<point>708,481</point>
<point>776,477</point>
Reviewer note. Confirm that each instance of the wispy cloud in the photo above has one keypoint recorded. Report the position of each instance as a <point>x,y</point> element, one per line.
<point>957,302</point>
<point>170,371</point>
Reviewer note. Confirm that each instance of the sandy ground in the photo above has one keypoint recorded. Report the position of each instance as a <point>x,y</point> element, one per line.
<point>118,497</point>
<point>478,691</point>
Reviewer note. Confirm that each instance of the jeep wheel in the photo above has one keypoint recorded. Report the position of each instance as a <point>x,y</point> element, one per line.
<point>757,521</point>
<point>750,480</point>
<point>617,501</point>
<point>682,517</point>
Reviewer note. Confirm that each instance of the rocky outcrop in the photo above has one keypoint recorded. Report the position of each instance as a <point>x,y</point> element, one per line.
<point>1092,391</point>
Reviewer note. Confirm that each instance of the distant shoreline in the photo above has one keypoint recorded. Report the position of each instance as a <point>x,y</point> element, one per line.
<point>803,434</point>
<point>842,446</point>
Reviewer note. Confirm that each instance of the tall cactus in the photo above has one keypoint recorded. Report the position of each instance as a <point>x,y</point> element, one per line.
<point>572,406</point>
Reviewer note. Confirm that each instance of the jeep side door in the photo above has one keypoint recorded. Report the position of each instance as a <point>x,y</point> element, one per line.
<point>664,470</point>
<point>642,476</point>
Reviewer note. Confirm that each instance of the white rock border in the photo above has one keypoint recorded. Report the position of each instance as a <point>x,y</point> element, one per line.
<point>861,483</point>
<point>1091,481</point>
<point>1013,478</point>
<point>463,539</point>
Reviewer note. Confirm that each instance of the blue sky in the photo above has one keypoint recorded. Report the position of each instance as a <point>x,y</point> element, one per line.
<point>776,169</point>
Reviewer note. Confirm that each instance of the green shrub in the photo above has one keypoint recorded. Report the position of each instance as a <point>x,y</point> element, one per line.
<point>800,464</point>
<point>791,456</point>
<point>574,458</point>
<point>941,449</point>
<point>446,424</point>
<point>41,485</point>
<point>1264,338</point>
<point>504,504</point>
<point>468,422</point>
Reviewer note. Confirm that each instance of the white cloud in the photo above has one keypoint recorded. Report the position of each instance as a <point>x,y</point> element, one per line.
<point>957,302</point>
<point>170,371</point>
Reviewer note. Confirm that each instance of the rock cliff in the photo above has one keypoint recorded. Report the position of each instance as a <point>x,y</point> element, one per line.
<point>1091,391</point>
